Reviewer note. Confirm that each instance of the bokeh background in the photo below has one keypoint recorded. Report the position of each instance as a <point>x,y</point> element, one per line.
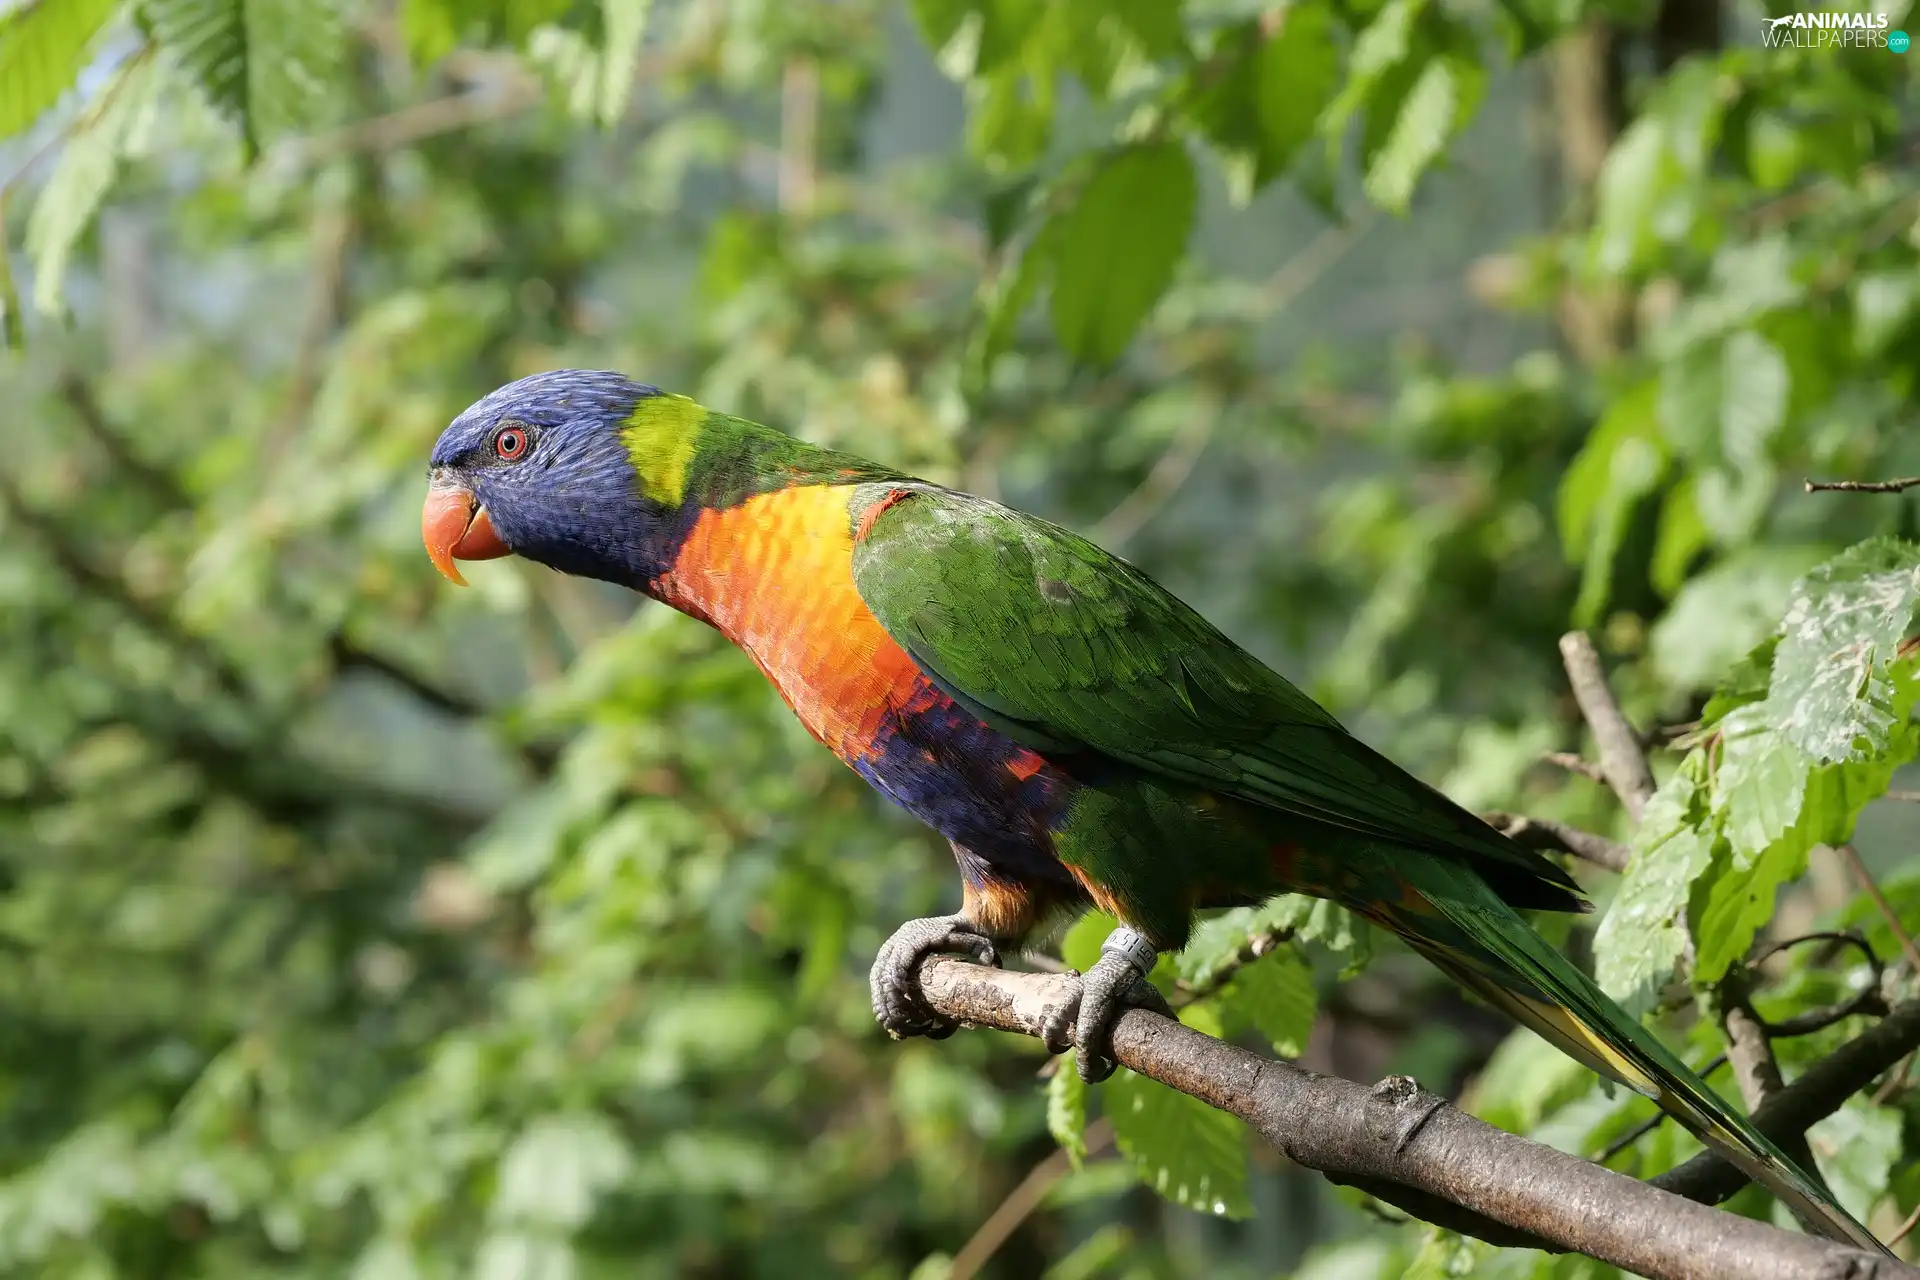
<point>353,925</point>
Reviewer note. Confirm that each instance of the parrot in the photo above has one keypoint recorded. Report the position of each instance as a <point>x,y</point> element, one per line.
<point>1079,736</point>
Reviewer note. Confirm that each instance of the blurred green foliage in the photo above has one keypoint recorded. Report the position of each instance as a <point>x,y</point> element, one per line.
<point>358,927</point>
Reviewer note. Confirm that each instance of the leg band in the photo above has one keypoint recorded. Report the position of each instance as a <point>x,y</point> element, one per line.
<point>1130,945</point>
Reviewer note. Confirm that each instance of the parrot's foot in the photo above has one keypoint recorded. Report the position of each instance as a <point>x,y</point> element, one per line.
<point>1085,1020</point>
<point>895,977</point>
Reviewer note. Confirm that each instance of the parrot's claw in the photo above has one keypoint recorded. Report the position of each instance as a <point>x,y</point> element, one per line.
<point>1085,1020</point>
<point>895,977</point>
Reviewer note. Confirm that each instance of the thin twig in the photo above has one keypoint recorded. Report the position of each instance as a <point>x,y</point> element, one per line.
<point>1872,886</point>
<point>1865,1000</point>
<point>799,127</point>
<point>1169,473</point>
<point>1756,1071</point>
<point>1295,276</point>
<point>1901,1232</point>
<point>1554,836</point>
<point>1257,945</point>
<point>1622,758</point>
<point>413,124</point>
<point>1021,1202</point>
<point>1863,486</point>
<point>1895,1082</point>
<point>1909,797</point>
<point>1573,763</point>
<point>1662,735</point>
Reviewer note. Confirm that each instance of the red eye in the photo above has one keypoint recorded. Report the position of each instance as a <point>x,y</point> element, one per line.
<point>510,443</point>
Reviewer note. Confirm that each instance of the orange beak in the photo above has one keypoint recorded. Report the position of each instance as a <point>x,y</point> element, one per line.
<point>454,526</point>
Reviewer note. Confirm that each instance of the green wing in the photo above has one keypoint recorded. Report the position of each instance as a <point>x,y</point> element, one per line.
<point>1063,646</point>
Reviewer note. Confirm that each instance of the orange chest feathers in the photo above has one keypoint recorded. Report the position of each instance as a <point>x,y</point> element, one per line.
<point>775,576</point>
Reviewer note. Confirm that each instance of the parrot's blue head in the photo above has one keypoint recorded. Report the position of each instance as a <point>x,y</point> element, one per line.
<point>541,468</point>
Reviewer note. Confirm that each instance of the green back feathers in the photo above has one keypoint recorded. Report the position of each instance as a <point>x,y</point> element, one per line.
<point>1059,643</point>
<point>684,453</point>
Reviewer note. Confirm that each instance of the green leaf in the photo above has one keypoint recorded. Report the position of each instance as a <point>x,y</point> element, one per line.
<point>1884,304</point>
<point>1585,487</point>
<point>1746,682</point>
<point>1100,1254</point>
<point>267,65</point>
<point>1754,403</point>
<point>1382,47</point>
<point>1856,1148</point>
<point>556,1168</point>
<point>1621,463</point>
<point>1010,117</point>
<point>1737,898</point>
<point>1773,150</point>
<point>1902,891</point>
<point>1639,170</point>
<point>1299,73</point>
<point>1181,1147</point>
<point>1080,948</point>
<point>1721,614</point>
<point>1643,936</point>
<point>1004,299</point>
<point>1067,1108</point>
<point>1326,924</point>
<point>624,24</point>
<point>1761,781</point>
<point>1118,245</point>
<point>42,43</point>
<point>1843,627</point>
<point>1525,1081</point>
<point>115,124</point>
<point>1155,24</point>
<point>13,334</point>
<point>1682,536</point>
<point>1216,943</point>
<point>1438,107</point>
<point>434,28</point>
<point>525,1255</point>
<point>1268,101</point>
<point>1274,995</point>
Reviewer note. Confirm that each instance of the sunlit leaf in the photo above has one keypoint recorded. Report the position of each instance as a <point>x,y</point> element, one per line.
<point>1181,1147</point>
<point>114,124</point>
<point>1067,1108</point>
<point>42,43</point>
<point>1843,628</point>
<point>268,65</point>
<point>1118,245</point>
<point>1274,995</point>
<point>1644,934</point>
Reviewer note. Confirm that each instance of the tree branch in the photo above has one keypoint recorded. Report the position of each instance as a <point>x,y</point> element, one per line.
<point>1412,1149</point>
<point>1575,763</point>
<point>1863,486</point>
<point>1817,1094</point>
<point>1622,759</point>
<point>1756,1072</point>
<point>1553,836</point>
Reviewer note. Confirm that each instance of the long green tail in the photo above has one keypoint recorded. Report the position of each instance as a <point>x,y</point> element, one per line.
<point>1516,970</point>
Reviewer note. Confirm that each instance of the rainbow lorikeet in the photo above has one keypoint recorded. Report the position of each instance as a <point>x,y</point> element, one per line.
<point>1078,735</point>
